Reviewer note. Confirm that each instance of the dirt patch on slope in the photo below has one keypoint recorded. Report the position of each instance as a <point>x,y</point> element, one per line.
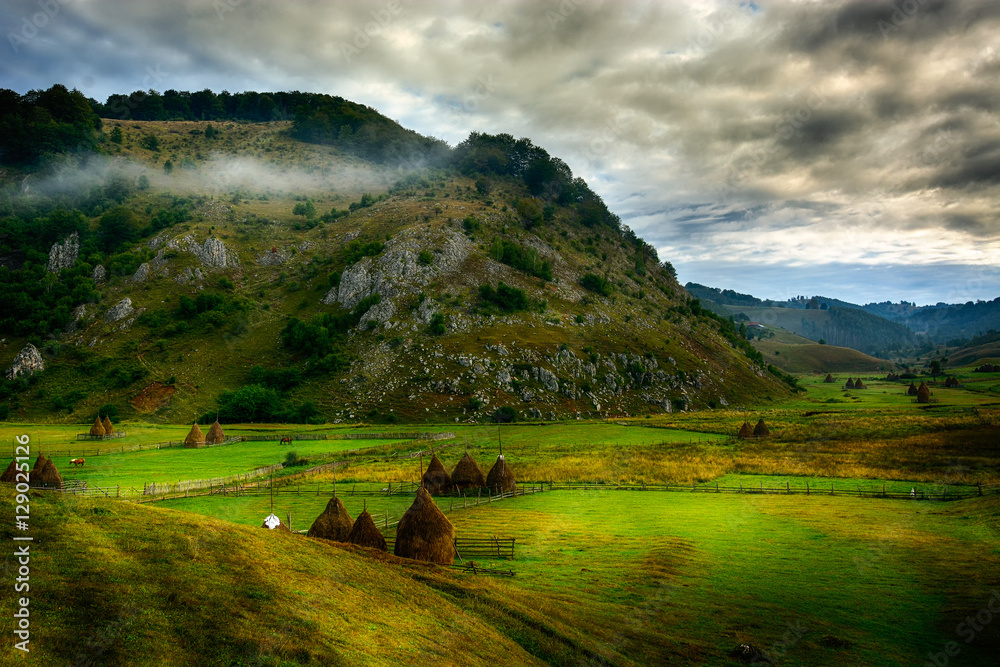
<point>153,397</point>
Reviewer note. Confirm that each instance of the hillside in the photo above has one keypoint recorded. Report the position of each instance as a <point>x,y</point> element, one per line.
<point>981,349</point>
<point>230,267</point>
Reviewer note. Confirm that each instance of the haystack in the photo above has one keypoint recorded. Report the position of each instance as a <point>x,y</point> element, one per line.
<point>108,428</point>
<point>858,384</point>
<point>215,435</point>
<point>365,534</point>
<point>98,427</point>
<point>829,378</point>
<point>850,384</point>
<point>334,523</point>
<point>951,381</point>
<point>467,475</point>
<point>911,390</point>
<point>10,474</point>
<point>39,464</point>
<point>436,480</point>
<point>923,394</point>
<point>746,431</point>
<point>195,438</point>
<point>424,532</point>
<point>272,522</point>
<point>761,430</point>
<point>500,477</point>
<point>48,478</point>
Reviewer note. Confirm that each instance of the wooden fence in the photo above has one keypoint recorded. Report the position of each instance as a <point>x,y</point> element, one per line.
<point>947,493</point>
<point>133,448</point>
<point>444,435</point>
<point>107,436</point>
<point>165,488</point>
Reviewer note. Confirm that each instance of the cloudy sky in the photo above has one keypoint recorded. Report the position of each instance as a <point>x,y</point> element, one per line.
<point>849,149</point>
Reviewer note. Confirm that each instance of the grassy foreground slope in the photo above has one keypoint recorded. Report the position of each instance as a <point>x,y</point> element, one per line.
<point>613,578</point>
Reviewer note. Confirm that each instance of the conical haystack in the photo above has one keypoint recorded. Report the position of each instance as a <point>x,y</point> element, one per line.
<point>215,435</point>
<point>10,474</point>
<point>334,523</point>
<point>467,475</point>
<point>911,390</point>
<point>746,431</point>
<point>858,384</point>
<point>48,478</point>
<point>424,532</point>
<point>951,381</point>
<point>850,384</point>
<point>761,430</point>
<point>195,438</point>
<point>39,464</point>
<point>98,427</point>
<point>500,478</point>
<point>272,522</point>
<point>436,480</point>
<point>923,394</point>
<point>108,428</point>
<point>829,378</point>
<point>365,534</point>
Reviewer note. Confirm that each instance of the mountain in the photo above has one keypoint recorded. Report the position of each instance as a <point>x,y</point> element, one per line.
<point>815,319</point>
<point>195,267</point>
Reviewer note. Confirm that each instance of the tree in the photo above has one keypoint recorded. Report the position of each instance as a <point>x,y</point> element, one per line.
<point>116,227</point>
<point>935,369</point>
<point>117,136</point>
<point>150,142</point>
<point>306,209</point>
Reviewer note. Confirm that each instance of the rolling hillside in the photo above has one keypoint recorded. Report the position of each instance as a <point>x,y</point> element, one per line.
<point>233,268</point>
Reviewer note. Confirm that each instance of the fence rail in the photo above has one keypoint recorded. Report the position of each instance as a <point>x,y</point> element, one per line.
<point>133,448</point>
<point>947,493</point>
<point>106,436</point>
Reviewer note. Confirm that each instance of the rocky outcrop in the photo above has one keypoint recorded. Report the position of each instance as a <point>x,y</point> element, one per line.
<point>98,274</point>
<point>27,362</point>
<point>63,255</point>
<point>396,271</point>
<point>141,274</point>
<point>214,253</point>
<point>119,311</point>
<point>273,257</point>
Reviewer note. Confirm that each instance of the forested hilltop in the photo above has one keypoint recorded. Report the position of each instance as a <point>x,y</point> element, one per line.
<point>289,271</point>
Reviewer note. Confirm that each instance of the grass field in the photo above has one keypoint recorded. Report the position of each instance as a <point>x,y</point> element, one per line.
<point>617,578</point>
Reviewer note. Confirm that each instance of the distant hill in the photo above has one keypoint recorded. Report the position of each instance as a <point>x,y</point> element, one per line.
<point>940,323</point>
<point>981,349</point>
<point>816,358</point>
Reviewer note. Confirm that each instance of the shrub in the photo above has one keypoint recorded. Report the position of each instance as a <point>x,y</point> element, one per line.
<point>522,259</point>
<point>596,283</point>
<point>471,224</point>
<point>506,298</point>
<point>293,459</point>
<point>425,258</point>
<point>505,415</point>
<point>437,327</point>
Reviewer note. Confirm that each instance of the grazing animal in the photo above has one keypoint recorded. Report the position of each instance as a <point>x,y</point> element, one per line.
<point>77,462</point>
<point>287,440</point>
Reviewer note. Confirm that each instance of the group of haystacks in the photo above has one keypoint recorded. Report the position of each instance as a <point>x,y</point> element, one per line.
<point>759,431</point>
<point>195,438</point>
<point>43,476</point>
<point>102,427</point>
<point>855,384</point>
<point>987,368</point>
<point>468,475</point>
<point>424,532</point>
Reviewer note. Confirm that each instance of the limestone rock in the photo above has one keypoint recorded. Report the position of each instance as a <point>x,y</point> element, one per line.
<point>547,378</point>
<point>63,255</point>
<point>98,274</point>
<point>141,274</point>
<point>215,253</point>
<point>27,362</point>
<point>119,311</point>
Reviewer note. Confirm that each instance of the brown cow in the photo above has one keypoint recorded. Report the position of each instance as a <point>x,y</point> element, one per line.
<point>77,462</point>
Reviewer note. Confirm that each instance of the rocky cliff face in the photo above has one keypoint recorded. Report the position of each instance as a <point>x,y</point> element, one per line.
<point>27,362</point>
<point>119,311</point>
<point>63,255</point>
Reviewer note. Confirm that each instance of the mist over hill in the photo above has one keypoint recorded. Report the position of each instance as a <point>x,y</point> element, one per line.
<point>332,266</point>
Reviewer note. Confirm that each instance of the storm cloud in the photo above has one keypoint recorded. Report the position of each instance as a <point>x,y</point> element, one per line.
<point>756,145</point>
